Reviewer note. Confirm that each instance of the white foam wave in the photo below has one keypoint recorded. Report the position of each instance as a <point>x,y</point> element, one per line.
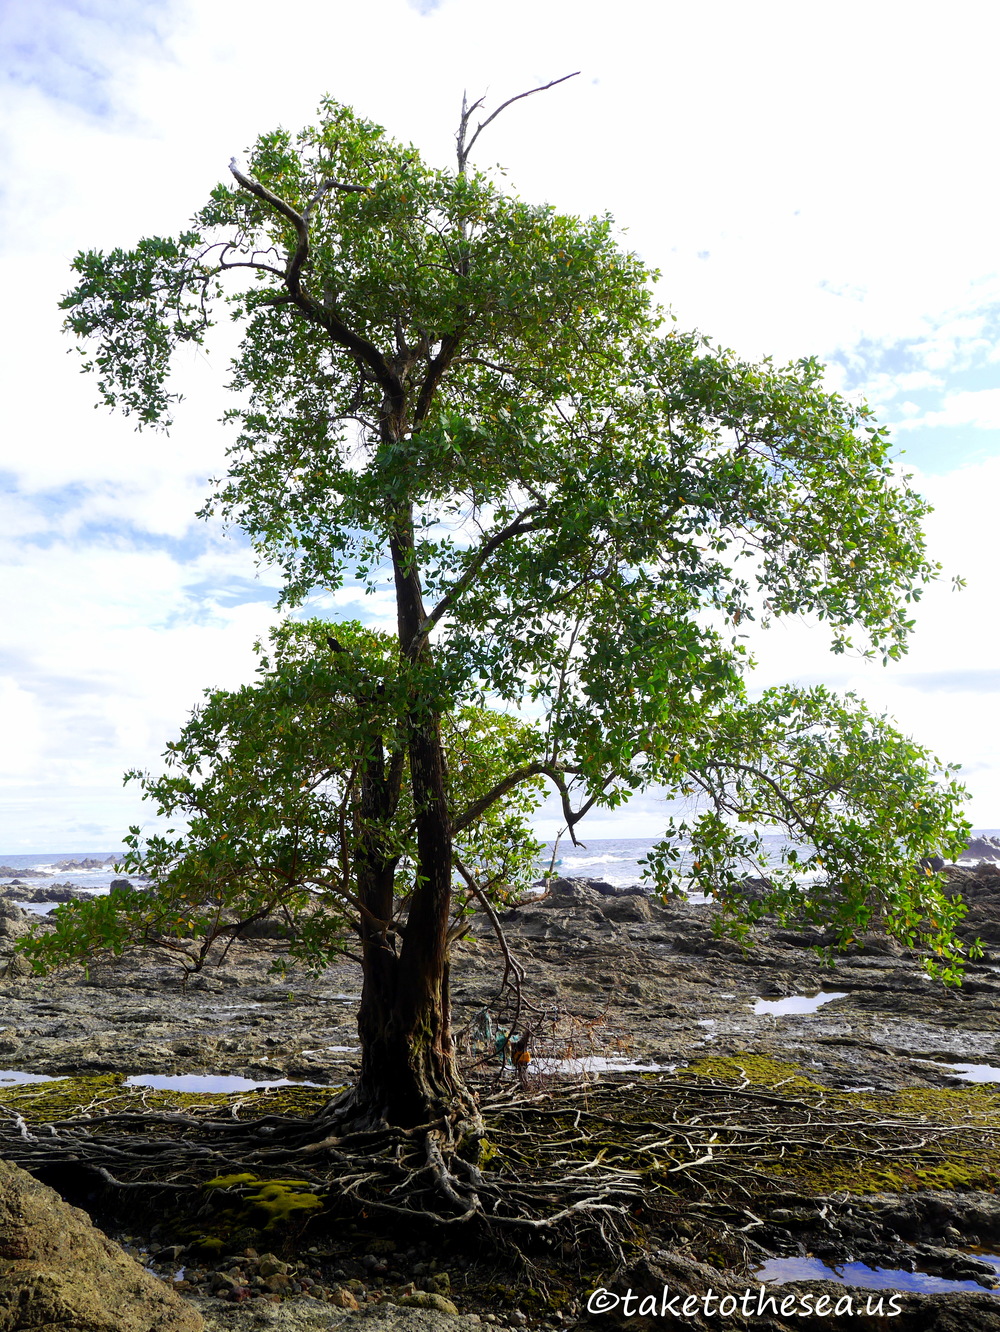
<point>574,862</point>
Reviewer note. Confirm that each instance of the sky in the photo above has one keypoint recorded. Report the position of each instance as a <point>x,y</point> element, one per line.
<point>810,180</point>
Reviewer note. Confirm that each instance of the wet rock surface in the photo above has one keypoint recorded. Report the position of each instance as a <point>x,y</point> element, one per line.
<point>650,981</point>
<point>617,975</point>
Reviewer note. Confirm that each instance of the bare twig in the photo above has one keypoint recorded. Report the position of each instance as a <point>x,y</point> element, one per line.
<point>464,149</point>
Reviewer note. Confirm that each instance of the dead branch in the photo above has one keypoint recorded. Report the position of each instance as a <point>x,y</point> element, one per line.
<point>464,149</point>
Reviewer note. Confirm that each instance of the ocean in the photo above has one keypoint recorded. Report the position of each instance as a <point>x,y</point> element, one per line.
<point>98,879</point>
<point>615,859</point>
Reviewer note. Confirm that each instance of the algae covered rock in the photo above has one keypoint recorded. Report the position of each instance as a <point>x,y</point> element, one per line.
<point>58,1271</point>
<point>244,1203</point>
<point>429,1299</point>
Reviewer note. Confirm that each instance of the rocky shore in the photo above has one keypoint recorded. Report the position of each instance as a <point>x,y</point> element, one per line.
<point>624,986</point>
<point>646,982</point>
<point>59,867</point>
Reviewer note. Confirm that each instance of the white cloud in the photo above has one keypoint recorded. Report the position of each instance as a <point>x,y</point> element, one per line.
<point>827,162</point>
<point>980,408</point>
<point>933,693</point>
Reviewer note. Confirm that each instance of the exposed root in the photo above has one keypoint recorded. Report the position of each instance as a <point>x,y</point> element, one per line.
<point>556,1160</point>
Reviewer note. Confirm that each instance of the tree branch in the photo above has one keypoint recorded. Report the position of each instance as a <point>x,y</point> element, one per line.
<point>793,815</point>
<point>511,967</point>
<point>572,817</point>
<point>338,330</point>
<point>465,149</point>
<point>480,806</point>
<point>518,526</point>
<point>438,366</point>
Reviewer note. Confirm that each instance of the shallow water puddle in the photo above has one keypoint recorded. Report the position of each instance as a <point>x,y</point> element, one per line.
<point>209,1082</point>
<point>797,1003</point>
<point>966,1072</point>
<point>974,1072</point>
<point>334,1049</point>
<point>780,1270</point>
<point>597,1064</point>
<point>185,1082</point>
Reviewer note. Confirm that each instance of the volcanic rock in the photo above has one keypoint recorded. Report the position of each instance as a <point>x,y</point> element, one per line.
<point>50,892</point>
<point>979,888</point>
<point>58,1271</point>
<point>982,848</point>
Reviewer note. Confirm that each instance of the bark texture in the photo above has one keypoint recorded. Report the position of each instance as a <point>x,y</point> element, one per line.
<point>409,1075</point>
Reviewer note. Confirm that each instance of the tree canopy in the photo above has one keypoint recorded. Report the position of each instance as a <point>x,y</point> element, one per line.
<point>265,785</point>
<point>474,404</point>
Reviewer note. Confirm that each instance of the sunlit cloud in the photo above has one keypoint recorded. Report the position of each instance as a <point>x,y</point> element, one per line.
<point>801,191</point>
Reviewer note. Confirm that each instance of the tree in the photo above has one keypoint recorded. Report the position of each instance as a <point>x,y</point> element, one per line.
<point>473,403</point>
<point>273,784</point>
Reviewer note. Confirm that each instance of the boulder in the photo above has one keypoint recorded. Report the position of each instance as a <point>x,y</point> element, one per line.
<point>57,1271</point>
<point>16,968</point>
<point>982,848</point>
<point>14,921</point>
<point>570,892</point>
<point>980,883</point>
<point>52,892</point>
<point>627,909</point>
<point>589,892</point>
<point>980,889</point>
<point>268,927</point>
<point>755,889</point>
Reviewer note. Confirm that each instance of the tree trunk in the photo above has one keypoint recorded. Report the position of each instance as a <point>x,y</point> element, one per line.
<point>409,1074</point>
<point>408,1070</point>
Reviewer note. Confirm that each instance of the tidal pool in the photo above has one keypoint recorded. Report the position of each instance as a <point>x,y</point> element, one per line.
<point>596,1064</point>
<point>779,1270</point>
<point>12,1077</point>
<point>974,1072</point>
<point>797,1003</point>
<point>967,1072</point>
<point>209,1082</point>
<point>334,1049</point>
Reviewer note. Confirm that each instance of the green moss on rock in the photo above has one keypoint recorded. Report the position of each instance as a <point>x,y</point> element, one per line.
<point>106,1093</point>
<point>246,1202</point>
<point>755,1069</point>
